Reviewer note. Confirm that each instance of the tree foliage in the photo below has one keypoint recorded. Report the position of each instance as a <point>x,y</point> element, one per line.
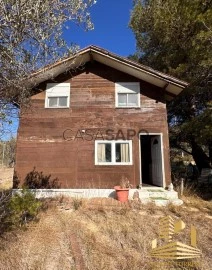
<point>176,37</point>
<point>31,37</point>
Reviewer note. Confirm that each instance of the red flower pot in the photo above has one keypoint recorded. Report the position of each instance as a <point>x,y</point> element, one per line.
<point>122,193</point>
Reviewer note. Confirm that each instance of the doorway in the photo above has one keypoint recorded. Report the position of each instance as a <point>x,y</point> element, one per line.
<point>151,159</point>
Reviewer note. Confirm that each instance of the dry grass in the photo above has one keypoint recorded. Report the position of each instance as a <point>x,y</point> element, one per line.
<point>122,239</point>
<point>44,245</point>
<point>115,240</point>
<point>109,237</point>
<point>198,198</point>
<point>6,176</point>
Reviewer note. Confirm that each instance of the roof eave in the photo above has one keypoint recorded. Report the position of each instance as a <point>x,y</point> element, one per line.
<point>171,84</point>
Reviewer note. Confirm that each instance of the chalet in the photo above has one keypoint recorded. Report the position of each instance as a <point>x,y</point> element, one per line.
<point>95,117</point>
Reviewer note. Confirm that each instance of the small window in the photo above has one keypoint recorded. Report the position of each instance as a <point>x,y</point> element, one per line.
<point>127,94</point>
<point>113,152</point>
<point>57,102</point>
<point>57,95</point>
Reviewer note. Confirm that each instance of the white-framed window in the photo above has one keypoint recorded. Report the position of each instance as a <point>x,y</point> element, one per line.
<point>113,152</point>
<point>57,95</point>
<point>127,94</point>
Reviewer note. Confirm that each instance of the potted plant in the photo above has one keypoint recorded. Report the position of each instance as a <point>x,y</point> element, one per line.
<point>122,190</point>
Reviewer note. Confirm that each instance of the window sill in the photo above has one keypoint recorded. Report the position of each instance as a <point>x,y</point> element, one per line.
<point>138,107</point>
<point>114,164</point>
<point>57,107</point>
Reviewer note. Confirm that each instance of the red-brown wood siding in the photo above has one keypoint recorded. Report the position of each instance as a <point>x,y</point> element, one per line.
<point>41,144</point>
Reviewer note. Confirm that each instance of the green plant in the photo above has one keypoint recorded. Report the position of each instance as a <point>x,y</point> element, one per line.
<point>17,209</point>
<point>36,180</point>
<point>23,206</point>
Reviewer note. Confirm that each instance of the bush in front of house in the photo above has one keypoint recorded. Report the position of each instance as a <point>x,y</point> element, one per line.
<point>23,207</point>
<point>17,209</point>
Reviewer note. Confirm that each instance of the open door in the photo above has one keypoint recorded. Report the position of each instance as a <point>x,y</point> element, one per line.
<point>151,160</point>
<point>157,172</point>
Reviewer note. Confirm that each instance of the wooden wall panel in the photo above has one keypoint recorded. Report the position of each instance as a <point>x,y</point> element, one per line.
<point>92,106</point>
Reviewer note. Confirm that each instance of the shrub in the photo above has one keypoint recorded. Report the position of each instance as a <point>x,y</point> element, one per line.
<point>17,209</point>
<point>36,180</point>
<point>23,206</point>
<point>77,203</point>
<point>16,180</point>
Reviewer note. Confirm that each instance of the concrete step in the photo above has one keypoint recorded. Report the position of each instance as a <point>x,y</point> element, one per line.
<point>159,196</point>
<point>145,193</point>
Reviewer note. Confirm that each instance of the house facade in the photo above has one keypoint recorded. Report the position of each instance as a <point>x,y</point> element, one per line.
<point>96,117</point>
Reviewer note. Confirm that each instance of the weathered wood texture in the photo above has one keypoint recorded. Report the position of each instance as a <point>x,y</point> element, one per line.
<point>41,144</point>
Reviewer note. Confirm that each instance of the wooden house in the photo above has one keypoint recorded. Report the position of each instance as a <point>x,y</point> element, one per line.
<point>95,117</point>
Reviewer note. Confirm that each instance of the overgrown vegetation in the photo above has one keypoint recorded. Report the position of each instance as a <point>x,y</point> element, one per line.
<point>175,37</point>
<point>17,209</point>
<point>197,197</point>
<point>109,235</point>
<point>23,207</point>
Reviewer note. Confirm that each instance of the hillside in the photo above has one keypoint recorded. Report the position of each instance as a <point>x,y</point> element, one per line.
<point>101,234</point>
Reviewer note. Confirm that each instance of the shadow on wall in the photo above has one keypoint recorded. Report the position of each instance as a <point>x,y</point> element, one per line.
<point>36,180</point>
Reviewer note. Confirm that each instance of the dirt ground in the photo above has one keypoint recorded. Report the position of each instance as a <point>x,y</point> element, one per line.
<point>6,176</point>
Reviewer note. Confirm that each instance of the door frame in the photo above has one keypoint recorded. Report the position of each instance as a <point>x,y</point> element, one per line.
<point>162,155</point>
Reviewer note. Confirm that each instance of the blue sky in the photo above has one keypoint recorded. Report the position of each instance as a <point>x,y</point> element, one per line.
<point>111,31</point>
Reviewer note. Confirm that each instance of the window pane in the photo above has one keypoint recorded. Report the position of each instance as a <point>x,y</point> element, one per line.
<point>108,152</point>
<point>104,152</point>
<point>52,101</point>
<point>122,152</point>
<point>132,100</point>
<point>118,152</point>
<point>63,101</point>
<point>122,99</point>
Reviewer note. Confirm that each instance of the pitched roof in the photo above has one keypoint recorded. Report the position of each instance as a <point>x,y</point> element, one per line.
<point>171,85</point>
